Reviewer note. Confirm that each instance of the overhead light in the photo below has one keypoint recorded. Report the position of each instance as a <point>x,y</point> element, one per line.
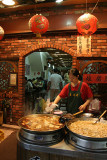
<point>8,2</point>
<point>57,52</point>
<point>39,1</point>
<point>59,1</point>
<point>68,23</point>
<point>51,49</point>
<point>60,54</point>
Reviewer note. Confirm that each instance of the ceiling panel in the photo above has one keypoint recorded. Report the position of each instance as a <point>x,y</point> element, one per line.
<point>57,57</point>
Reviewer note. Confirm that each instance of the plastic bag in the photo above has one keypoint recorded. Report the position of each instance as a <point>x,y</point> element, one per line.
<point>50,106</point>
<point>95,105</point>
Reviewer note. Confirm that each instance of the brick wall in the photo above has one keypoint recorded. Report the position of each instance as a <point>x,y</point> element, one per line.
<point>22,45</point>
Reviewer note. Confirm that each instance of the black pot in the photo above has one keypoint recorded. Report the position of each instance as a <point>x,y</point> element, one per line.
<point>41,137</point>
<point>83,142</point>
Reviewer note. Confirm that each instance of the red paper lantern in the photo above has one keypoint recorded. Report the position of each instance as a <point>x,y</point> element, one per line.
<point>1,32</point>
<point>38,24</point>
<point>87,24</point>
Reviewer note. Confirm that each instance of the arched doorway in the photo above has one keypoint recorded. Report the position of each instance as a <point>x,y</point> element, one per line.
<point>56,57</point>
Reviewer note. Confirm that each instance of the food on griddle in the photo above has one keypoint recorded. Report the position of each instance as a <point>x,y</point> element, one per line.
<point>41,123</point>
<point>86,128</point>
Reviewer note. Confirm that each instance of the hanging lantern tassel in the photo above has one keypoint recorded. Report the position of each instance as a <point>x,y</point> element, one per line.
<point>38,35</point>
<point>1,33</point>
<point>38,24</point>
<point>87,24</point>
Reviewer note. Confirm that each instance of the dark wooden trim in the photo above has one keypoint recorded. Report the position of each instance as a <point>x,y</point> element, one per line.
<point>91,58</point>
<point>51,33</point>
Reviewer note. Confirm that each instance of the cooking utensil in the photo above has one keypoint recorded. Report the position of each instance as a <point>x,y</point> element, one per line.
<point>41,137</point>
<point>87,115</point>
<point>86,143</point>
<point>77,113</point>
<point>68,116</point>
<point>100,117</point>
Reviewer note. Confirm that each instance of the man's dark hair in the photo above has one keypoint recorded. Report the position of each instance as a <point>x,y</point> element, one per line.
<point>25,78</point>
<point>56,70</point>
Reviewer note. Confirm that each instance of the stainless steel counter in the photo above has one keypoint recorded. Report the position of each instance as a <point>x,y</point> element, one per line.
<point>62,149</point>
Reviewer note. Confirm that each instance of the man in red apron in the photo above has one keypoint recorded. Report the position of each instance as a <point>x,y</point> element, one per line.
<point>78,93</point>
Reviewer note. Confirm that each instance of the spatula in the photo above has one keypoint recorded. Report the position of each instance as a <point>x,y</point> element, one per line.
<point>100,117</point>
<point>68,116</point>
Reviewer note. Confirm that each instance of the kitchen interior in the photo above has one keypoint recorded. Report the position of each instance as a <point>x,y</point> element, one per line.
<point>25,55</point>
<point>41,64</point>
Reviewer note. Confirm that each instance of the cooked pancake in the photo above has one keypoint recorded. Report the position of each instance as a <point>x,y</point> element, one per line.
<point>87,128</point>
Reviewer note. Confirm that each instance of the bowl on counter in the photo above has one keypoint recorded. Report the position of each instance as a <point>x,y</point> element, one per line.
<point>87,115</point>
<point>58,112</point>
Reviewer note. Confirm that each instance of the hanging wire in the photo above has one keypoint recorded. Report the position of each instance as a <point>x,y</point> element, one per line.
<point>95,6</point>
<point>86,6</point>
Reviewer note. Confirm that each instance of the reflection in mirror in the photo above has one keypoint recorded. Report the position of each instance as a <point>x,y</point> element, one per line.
<point>39,66</point>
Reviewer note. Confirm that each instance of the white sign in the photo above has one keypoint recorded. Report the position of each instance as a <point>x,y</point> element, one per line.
<point>83,45</point>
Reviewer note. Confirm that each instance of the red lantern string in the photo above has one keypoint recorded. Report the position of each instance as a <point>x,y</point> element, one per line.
<point>86,6</point>
<point>94,6</point>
